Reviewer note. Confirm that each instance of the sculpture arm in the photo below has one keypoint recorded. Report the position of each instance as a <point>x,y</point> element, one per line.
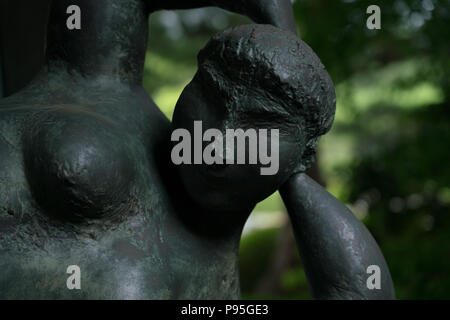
<point>335,247</point>
<point>276,12</point>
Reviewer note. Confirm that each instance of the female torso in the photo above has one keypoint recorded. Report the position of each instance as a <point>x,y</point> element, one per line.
<point>85,179</point>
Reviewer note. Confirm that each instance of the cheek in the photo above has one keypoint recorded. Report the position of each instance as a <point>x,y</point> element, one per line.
<point>290,156</point>
<point>243,174</point>
<point>247,181</point>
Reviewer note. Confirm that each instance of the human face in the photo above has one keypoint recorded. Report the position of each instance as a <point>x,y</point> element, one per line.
<point>230,187</point>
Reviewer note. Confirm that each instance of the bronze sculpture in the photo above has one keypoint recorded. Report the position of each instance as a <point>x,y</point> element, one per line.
<point>86,177</point>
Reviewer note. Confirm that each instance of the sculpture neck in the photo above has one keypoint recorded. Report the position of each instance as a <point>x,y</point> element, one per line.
<point>111,42</point>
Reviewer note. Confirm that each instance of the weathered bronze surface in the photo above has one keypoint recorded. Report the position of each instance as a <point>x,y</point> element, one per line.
<point>86,177</point>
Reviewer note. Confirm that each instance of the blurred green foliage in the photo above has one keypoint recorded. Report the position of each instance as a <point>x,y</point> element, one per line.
<point>387,156</point>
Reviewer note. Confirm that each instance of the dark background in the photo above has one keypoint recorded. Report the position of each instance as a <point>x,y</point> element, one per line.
<point>387,156</point>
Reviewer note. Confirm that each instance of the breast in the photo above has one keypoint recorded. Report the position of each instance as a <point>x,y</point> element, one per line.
<point>79,165</point>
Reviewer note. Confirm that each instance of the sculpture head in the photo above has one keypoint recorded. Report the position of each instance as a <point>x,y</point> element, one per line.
<point>255,77</point>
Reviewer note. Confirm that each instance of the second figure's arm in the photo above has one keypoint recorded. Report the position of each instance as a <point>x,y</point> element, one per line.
<point>276,12</point>
<point>336,248</point>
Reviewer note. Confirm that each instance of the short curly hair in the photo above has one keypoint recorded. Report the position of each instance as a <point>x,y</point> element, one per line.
<point>281,68</point>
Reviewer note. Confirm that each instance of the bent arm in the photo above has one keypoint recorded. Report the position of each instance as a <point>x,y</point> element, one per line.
<point>276,12</point>
<point>335,247</point>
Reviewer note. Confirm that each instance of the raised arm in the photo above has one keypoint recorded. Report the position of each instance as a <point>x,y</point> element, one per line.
<point>335,247</point>
<point>276,12</point>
